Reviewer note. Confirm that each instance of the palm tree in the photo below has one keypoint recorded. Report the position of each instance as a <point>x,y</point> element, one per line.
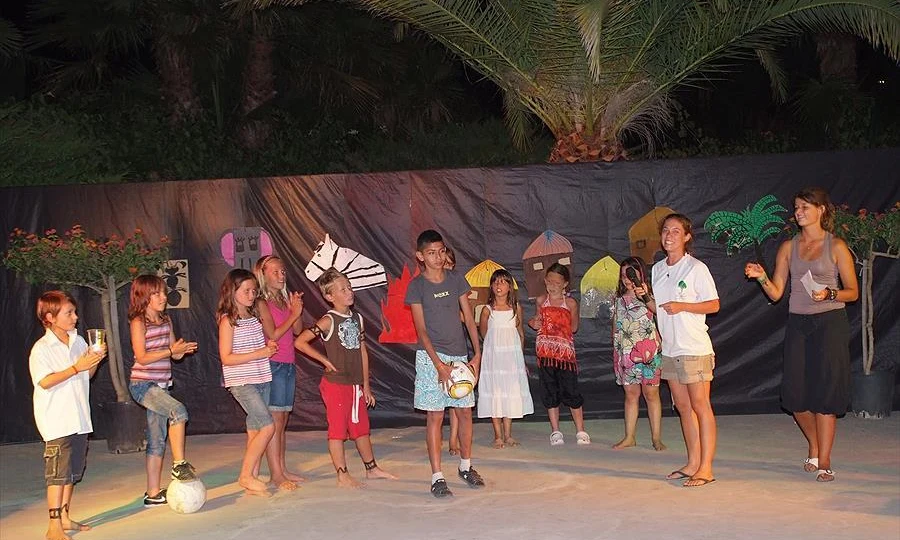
<point>95,42</point>
<point>595,72</point>
<point>750,228</point>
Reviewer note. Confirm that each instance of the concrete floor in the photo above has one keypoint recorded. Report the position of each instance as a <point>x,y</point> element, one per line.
<point>533,491</point>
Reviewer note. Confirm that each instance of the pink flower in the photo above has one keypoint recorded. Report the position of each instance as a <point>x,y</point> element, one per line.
<point>644,351</point>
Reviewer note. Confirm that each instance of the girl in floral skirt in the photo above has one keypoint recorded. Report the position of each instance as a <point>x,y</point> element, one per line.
<point>636,352</point>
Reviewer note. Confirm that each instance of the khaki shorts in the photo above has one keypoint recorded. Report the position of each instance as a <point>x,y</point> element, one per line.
<point>688,369</point>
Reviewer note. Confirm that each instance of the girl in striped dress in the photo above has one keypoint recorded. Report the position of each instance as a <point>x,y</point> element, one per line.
<point>154,345</point>
<point>245,355</point>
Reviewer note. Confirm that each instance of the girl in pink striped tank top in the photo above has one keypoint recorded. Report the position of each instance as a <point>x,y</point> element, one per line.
<point>280,313</point>
<point>245,354</point>
<point>154,345</point>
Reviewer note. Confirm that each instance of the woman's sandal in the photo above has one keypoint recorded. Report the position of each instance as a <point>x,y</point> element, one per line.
<point>811,464</point>
<point>824,475</point>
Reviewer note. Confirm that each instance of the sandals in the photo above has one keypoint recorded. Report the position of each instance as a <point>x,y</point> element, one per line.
<point>582,437</point>
<point>556,438</point>
<point>824,475</point>
<point>811,464</point>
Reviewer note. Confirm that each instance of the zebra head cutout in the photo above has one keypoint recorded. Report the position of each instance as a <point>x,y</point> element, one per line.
<point>363,272</point>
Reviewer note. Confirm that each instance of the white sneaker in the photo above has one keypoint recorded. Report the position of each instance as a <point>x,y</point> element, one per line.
<point>582,437</point>
<point>556,438</point>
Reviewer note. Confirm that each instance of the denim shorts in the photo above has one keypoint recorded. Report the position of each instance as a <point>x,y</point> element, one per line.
<point>254,399</point>
<point>65,459</point>
<point>162,409</point>
<point>284,379</point>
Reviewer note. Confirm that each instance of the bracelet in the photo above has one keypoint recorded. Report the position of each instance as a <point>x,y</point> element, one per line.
<point>832,294</point>
<point>171,354</point>
<point>762,280</point>
<point>76,370</point>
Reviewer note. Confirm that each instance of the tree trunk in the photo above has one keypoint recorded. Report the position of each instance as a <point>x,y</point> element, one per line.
<point>258,89</point>
<point>577,147</point>
<point>837,56</point>
<point>114,347</point>
<point>174,67</point>
<point>868,329</point>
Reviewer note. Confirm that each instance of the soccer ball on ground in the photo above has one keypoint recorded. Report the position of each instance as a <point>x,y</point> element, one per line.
<point>186,497</point>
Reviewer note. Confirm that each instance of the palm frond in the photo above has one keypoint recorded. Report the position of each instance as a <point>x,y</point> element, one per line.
<point>778,79</point>
<point>608,66</point>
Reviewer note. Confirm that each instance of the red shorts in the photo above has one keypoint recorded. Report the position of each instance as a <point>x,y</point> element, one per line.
<point>339,399</point>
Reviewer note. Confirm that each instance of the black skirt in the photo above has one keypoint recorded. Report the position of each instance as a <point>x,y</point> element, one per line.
<point>817,363</point>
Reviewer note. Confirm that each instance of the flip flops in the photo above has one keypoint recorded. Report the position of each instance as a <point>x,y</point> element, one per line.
<point>700,482</point>
<point>824,475</point>
<point>677,475</point>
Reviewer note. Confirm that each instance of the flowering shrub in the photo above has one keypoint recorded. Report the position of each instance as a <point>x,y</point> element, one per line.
<point>867,232</point>
<point>102,265</point>
<point>869,235</point>
<point>76,259</point>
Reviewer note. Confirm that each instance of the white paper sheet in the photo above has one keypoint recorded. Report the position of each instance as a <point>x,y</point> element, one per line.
<point>810,284</point>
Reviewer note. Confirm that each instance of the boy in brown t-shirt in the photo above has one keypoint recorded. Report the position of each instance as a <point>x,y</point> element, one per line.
<point>345,385</point>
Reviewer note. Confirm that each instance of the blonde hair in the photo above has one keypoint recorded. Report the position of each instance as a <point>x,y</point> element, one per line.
<point>259,270</point>
<point>327,279</point>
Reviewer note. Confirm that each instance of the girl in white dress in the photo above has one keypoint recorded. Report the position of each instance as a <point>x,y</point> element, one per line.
<point>503,392</point>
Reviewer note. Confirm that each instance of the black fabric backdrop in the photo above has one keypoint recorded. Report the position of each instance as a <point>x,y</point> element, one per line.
<point>483,213</point>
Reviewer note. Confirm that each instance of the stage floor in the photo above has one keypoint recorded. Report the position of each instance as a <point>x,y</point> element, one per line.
<point>533,491</point>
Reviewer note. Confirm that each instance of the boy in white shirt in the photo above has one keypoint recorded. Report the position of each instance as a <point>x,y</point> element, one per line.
<point>61,366</point>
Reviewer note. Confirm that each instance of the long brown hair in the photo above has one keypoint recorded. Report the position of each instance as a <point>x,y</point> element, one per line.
<point>230,285</point>
<point>819,197</point>
<point>142,288</point>
<point>512,298</point>
<point>686,224</point>
<point>638,264</point>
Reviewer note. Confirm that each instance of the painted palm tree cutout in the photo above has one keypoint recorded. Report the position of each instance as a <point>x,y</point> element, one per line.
<point>749,228</point>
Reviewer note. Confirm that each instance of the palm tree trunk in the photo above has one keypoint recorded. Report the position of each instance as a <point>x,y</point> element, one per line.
<point>174,67</point>
<point>577,147</point>
<point>258,89</point>
<point>837,56</point>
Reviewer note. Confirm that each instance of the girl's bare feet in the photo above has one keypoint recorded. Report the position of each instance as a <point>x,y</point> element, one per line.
<point>378,472</point>
<point>294,477</point>
<point>254,486</point>
<point>511,442</point>
<point>284,484</point>
<point>498,443</point>
<point>624,443</point>
<point>659,446</point>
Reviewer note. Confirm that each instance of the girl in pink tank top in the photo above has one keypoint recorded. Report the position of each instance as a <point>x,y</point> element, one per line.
<point>279,311</point>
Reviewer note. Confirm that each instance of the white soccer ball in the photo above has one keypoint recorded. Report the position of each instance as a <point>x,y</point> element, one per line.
<point>462,381</point>
<point>186,497</point>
